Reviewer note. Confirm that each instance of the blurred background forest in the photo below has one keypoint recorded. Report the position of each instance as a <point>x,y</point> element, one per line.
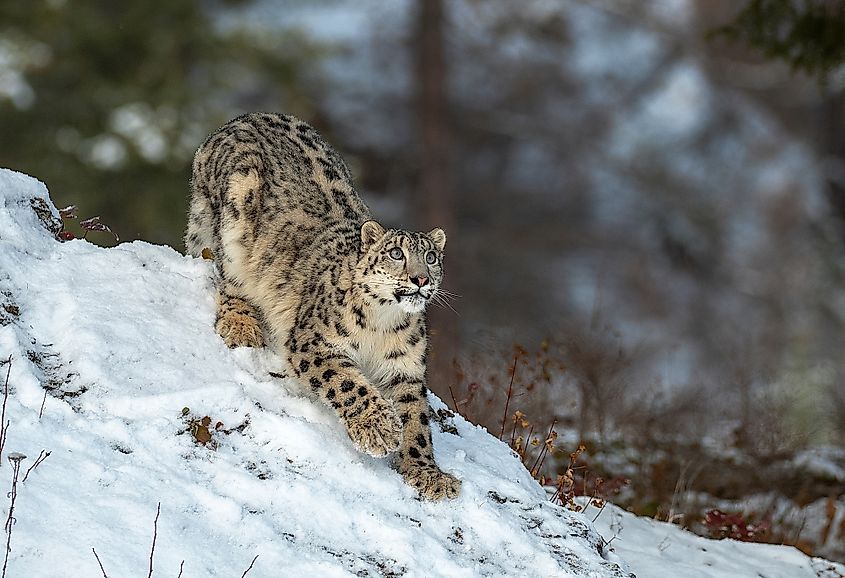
<point>645,204</point>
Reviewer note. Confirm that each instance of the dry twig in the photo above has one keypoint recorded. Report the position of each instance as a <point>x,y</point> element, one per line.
<point>510,394</point>
<point>547,447</point>
<point>155,535</point>
<point>4,425</point>
<point>15,459</point>
<point>41,457</point>
<point>43,401</point>
<point>103,570</point>
<point>250,566</point>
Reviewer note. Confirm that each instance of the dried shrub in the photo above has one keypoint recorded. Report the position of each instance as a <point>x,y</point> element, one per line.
<point>87,225</point>
<point>736,526</point>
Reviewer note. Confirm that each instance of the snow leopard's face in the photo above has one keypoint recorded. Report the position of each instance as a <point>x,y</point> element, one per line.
<point>400,268</point>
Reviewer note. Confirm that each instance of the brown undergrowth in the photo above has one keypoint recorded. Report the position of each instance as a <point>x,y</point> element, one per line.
<point>650,461</point>
<point>564,475</point>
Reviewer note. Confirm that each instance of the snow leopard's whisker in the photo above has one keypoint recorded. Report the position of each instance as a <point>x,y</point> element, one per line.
<point>446,295</point>
<point>441,301</point>
<point>449,294</point>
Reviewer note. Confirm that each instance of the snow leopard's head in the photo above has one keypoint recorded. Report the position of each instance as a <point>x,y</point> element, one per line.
<point>400,268</point>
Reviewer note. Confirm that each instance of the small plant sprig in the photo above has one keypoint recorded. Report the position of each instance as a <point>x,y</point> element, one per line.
<point>15,459</point>
<point>250,566</point>
<point>103,570</point>
<point>510,395</point>
<point>565,484</point>
<point>155,536</point>
<point>577,481</point>
<point>4,423</point>
<point>524,444</point>
<point>574,482</point>
<point>152,549</point>
<point>42,455</point>
<point>87,225</point>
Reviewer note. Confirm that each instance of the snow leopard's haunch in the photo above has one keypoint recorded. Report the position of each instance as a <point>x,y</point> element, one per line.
<point>303,268</point>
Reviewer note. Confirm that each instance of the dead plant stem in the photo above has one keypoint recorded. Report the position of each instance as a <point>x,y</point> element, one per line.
<point>41,457</point>
<point>250,566</point>
<point>4,425</point>
<point>508,400</point>
<point>541,457</point>
<point>103,570</point>
<point>15,459</point>
<point>155,535</point>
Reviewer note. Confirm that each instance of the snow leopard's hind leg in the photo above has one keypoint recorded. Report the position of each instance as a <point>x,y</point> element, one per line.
<point>238,320</point>
<point>216,230</point>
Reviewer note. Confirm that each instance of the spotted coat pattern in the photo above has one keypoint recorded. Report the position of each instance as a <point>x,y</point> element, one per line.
<point>303,267</point>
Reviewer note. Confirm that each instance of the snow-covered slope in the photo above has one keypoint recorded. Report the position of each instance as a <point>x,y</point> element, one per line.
<point>656,550</point>
<point>121,341</point>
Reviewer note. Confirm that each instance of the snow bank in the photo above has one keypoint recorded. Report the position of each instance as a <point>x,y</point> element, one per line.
<point>121,340</point>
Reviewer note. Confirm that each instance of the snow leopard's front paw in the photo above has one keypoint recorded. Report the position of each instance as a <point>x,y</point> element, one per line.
<point>431,482</point>
<point>239,330</point>
<point>377,430</point>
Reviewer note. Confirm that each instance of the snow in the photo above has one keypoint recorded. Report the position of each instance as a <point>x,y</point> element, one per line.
<point>826,462</point>
<point>121,340</point>
<point>655,549</point>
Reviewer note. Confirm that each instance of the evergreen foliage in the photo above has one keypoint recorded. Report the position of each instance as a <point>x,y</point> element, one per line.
<point>106,101</point>
<point>809,35</point>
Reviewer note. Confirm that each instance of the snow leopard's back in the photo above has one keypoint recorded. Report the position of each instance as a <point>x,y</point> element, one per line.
<point>275,176</point>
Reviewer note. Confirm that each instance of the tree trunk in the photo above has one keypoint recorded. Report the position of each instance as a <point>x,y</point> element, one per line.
<point>433,202</point>
<point>833,139</point>
<point>584,417</point>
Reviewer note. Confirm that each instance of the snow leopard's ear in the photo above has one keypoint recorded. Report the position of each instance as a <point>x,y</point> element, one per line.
<point>371,232</point>
<point>439,238</point>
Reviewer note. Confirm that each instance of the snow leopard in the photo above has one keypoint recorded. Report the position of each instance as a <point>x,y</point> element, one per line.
<point>304,268</point>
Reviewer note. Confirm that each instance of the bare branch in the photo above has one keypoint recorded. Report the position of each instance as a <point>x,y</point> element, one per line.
<point>4,425</point>
<point>103,570</point>
<point>43,401</point>
<point>155,535</point>
<point>41,457</point>
<point>15,459</point>
<point>250,566</point>
<point>510,394</point>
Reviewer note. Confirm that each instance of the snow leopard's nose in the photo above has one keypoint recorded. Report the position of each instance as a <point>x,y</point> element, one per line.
<point>419,281</point>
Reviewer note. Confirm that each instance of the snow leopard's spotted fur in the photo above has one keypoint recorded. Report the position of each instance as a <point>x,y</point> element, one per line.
<point>304,268</point>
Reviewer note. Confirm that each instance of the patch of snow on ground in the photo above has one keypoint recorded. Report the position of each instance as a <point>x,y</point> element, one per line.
<point>659,550</point>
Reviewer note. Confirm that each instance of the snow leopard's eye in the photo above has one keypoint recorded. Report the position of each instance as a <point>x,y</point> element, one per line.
<point>396,253</point>
<point>431,258</point>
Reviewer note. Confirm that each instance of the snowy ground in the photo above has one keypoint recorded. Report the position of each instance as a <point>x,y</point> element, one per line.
<point>656,549</point>
<point>121,340</point>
